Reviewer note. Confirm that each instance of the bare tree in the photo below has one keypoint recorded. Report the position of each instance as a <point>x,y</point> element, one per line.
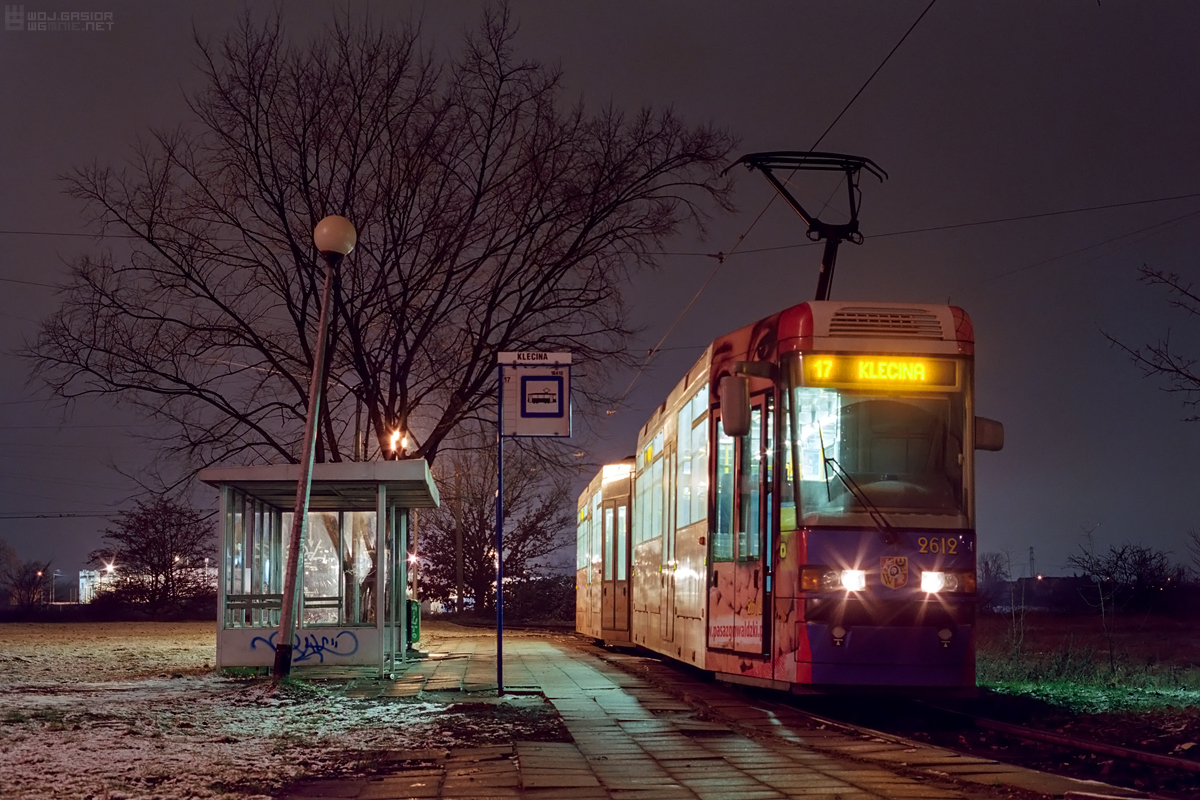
<point>1193,546</point>
<point>993,573</point>
<point>1161,358</point>
<point>1137,574</point>
<point>538,517</point>
<point>492,215</point>
<point>27,583</point>
<point>159,552</point>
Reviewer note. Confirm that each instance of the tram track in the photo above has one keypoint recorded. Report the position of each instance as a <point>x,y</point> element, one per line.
<point>963,730</point>
<point>978,735</point>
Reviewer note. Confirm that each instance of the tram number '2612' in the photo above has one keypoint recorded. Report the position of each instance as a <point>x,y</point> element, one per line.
<point>938,544</point>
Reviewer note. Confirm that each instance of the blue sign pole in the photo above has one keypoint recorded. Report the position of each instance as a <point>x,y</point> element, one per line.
<point>540,406</point>
<point>500,537</point>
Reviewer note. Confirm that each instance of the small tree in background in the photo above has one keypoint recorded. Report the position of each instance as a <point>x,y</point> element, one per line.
<point>7,557</point>
<point>993,580</point>
<point>158,552</point>
<point>1134,577</point>
<point>27,583</point>
<point>1193,546</point>
<point>538,516</point>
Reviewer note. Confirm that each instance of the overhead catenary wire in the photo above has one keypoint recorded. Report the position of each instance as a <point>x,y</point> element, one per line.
<point>1077,251</point>
<point>946,227</point>
<point>58,515</point>
<point>722,256</point>
<point>1165,223</point>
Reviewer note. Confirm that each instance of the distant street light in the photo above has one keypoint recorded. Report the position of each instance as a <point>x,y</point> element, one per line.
<point>334,237</point>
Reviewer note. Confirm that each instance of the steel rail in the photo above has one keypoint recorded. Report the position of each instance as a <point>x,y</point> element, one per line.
<point>1128,753</point>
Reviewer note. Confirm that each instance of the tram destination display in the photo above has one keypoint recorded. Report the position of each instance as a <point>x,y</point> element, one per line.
<point>855,371</point>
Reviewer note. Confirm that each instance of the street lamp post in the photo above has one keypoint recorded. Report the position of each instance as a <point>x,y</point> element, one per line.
<point>334,237</point>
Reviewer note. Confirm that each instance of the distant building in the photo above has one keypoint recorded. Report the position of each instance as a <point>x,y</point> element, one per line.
<point>95,581</point>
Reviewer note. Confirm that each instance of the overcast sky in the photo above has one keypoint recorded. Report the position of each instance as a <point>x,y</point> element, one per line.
<point>987,111</point>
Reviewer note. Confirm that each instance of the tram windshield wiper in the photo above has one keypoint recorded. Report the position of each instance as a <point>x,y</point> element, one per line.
<point>877,518</point>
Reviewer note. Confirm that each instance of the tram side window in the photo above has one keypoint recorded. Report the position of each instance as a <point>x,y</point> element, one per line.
<point>581,533</point>
<point>642,495</point>
<point>787,495</point>
<point>749,535</point>
<point>656,499</point>
<point>594,547</point>
<point>608,544</point>
<point>692,470</point>
<point>622,543</point>
<point>722,535</point>
<point>700,467</point>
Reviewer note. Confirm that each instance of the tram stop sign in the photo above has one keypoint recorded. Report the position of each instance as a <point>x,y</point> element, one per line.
<point>535,394</point>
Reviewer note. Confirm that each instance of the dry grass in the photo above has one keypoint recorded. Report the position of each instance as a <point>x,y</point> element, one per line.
<point>1144,639</point>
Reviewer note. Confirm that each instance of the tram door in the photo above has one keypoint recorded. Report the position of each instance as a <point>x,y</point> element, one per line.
<point>614,591</point>
<point>666,616</point>
<point>754,501</point>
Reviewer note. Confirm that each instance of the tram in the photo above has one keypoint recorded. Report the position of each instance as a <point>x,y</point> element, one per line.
<point>800,511</point>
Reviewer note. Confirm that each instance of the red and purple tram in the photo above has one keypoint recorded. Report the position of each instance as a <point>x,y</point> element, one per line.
<point>800,512</point>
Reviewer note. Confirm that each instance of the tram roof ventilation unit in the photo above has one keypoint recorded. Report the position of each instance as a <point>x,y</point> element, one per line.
<point>894,323</point>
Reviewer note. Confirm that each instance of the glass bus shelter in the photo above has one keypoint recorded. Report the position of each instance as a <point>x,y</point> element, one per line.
<point>353,585</point>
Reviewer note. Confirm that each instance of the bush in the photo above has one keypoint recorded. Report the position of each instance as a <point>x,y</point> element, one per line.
<point>549,598</point>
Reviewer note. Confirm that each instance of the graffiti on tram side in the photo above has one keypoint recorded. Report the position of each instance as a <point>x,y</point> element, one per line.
<point>741,629</point>
<point>344,643</point>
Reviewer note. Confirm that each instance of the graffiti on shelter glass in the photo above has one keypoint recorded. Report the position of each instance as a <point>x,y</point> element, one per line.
<point>311,646</point>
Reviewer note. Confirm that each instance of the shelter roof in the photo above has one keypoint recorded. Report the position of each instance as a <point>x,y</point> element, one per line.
<point>344,486</point>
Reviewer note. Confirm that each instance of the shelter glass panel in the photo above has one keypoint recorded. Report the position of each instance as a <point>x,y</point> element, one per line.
<point>253,574</point>
<point>360,568</point>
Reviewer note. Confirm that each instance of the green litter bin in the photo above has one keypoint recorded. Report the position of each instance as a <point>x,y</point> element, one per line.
<point>414,621</point>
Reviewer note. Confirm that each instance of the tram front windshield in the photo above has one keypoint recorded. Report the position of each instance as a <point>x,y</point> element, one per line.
<point>876,434</point>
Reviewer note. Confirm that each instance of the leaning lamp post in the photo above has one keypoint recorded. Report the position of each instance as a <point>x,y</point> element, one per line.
<point>334,237</point>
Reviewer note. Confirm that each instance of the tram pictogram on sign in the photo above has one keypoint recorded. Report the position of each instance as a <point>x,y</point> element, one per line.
<point>535,394</point>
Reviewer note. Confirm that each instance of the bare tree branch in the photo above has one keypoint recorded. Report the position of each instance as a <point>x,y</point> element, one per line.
<point>491,215</point>
<point>1160,359</point>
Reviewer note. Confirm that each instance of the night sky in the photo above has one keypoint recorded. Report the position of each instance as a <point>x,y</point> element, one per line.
<point>988,111</point>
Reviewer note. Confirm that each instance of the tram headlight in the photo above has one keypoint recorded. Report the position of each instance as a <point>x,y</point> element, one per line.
<point>854,580</point>
<point>826,579</point>
<point>934,582</point>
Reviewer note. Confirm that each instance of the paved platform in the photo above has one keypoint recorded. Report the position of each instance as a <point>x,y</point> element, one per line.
<point>634,740</point>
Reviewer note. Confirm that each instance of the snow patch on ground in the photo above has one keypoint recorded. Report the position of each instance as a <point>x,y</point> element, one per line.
<point>75,724</point>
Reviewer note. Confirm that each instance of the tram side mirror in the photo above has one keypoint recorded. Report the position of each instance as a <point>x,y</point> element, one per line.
<point>989,434</point>
<point>735,405</point>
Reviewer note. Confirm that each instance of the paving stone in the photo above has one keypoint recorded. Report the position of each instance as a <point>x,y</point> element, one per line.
<point>416,755</point>
<point>633,741</point>
<point>483,753</point>
<point>332,788</point>
<point>402,787</point>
